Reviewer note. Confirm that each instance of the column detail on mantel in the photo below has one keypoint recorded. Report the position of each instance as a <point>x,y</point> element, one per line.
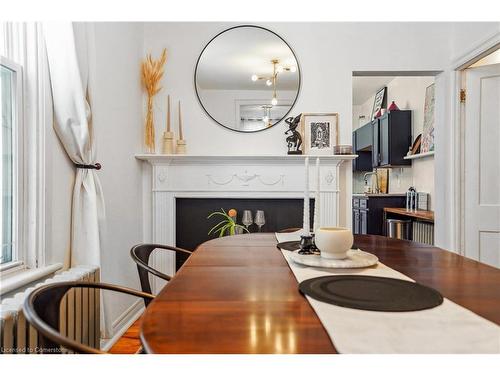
<point>258,177</point>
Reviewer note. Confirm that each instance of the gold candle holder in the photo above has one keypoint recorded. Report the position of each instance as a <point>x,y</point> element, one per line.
<point>181,146</point>
<point>168,143</point>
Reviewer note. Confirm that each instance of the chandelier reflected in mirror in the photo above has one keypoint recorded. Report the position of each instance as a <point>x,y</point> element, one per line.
<point>272,80</point>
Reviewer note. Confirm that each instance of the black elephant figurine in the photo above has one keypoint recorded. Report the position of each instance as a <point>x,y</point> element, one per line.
<point>294,140</point>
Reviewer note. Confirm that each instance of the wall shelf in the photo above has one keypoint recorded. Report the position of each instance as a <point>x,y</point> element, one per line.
<point>420,156</point>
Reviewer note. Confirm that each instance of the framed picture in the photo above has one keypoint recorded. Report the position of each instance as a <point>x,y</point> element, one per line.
<point>428,128</point>
<point>379,102</point>
<point>320,132</point>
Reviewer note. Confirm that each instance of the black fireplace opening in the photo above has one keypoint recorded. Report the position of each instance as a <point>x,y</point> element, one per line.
<point>192,225</point>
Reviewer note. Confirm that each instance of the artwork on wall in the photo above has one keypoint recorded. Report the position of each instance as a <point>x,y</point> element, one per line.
<point>379,102</point>
<point>320,132</point>
<point>428,128</point>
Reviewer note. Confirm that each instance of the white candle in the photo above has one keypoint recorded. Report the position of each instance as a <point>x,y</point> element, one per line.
<point>306,227</point>
<point>317,219</point>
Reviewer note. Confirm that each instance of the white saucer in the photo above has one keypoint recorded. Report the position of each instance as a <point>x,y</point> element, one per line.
<point>355,259</point>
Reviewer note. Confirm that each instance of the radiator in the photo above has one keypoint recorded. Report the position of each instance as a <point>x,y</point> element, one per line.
<point>79,318</point>
<point>423,232</point>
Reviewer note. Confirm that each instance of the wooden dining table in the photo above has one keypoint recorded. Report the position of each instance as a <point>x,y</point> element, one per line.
<point>237,294</point>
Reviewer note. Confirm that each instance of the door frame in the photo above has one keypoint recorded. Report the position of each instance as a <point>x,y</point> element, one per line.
<point>458,67</point>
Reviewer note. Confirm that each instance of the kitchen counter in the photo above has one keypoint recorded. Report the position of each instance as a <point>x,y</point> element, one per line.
<point>419,214</point>
<point>375,195</point>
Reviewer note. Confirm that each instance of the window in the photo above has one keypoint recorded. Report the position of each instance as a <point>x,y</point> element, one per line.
<point>26,112</point>
<point>11,104</point>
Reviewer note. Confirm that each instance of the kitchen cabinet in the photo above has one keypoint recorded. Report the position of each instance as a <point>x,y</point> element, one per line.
<point>391,139</point>
<point>362,146</point>
<point>383,142</point>
<point>368,211</point>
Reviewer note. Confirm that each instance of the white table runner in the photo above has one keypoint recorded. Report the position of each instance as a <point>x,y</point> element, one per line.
<point>448,328</point>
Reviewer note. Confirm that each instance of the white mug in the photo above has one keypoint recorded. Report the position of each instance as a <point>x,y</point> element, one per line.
<point>333,242</point>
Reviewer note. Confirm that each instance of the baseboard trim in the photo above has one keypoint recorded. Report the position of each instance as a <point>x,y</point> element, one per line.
<point>123,322</point>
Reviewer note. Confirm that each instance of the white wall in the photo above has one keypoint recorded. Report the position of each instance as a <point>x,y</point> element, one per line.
<point>117,121</point>
<point>327,53</point>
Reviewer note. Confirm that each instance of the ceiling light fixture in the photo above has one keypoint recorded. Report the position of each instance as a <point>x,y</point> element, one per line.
<point>272,80</point>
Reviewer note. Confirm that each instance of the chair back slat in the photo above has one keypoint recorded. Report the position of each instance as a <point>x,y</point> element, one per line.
<point>140,255</point>
<point>42,310</point>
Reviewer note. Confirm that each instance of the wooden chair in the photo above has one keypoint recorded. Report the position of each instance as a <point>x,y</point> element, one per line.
<point>42,310</point>
<point>140,255</point>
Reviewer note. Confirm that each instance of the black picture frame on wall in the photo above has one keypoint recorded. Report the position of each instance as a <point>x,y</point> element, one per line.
<point>379,102</point>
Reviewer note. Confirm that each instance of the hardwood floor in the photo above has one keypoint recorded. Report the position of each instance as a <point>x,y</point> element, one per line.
<point>129,343</point>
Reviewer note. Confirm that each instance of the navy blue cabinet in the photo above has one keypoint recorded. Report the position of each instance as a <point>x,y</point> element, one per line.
<point>383,142</point>
<point>391,139</point>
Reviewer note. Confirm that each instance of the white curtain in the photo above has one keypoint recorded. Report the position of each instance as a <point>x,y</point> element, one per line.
<point>73,125</point>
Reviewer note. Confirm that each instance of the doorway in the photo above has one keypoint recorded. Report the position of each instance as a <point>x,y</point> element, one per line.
<point>391,112</point>
<point>480,172</point>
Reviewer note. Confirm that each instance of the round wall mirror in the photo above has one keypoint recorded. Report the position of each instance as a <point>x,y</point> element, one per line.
<point>247,78</point>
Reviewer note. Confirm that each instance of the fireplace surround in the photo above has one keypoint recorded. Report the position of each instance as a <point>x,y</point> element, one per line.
<point>167,178</point>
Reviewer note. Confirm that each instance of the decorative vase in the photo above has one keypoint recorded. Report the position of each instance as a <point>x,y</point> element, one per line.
<point>393,107</point>
<point>150,128</point>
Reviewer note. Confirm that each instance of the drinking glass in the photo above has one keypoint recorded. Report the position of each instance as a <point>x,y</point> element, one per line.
<point>247,218</point>
<point>260,219</point>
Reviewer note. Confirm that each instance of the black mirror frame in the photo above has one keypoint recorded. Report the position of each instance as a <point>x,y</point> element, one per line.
<point>196,72</point>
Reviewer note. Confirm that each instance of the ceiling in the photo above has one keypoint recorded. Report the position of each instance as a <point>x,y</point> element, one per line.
<point>365,87</point>
<point>230,60</point>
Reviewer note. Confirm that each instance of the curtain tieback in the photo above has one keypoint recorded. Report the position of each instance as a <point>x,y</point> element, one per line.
<point>88,166</point>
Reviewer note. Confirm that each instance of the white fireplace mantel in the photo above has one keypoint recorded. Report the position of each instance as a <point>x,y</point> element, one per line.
<point>232,176</point>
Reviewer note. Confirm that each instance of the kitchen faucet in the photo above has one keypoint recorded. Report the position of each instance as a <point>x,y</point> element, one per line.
<point>365,177</point>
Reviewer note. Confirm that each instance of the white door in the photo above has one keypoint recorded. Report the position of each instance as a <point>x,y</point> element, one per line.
<point>482,165</point>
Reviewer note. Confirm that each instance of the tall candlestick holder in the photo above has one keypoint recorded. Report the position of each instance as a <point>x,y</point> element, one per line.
<point>168,143</point>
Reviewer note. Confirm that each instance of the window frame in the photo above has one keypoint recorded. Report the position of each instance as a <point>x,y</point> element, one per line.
<point>18,258</point>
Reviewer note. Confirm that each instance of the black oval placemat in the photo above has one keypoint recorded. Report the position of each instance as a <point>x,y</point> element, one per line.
<point>289,245</point>
<point>371,293</point>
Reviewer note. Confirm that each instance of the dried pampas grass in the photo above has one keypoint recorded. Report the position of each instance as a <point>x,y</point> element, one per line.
<point>151,74</point>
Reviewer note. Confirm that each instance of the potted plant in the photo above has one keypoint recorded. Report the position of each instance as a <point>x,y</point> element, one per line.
<point>228,224</point>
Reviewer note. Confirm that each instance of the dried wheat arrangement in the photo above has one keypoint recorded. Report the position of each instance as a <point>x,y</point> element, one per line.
<point>151,74</point>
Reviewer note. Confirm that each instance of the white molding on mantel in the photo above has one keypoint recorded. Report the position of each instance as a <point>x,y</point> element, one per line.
<point>169,177</point>
<point>166,158</point>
